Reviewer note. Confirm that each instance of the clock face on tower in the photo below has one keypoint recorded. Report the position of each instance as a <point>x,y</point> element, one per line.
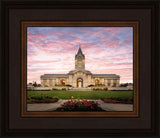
<point>79,60</point>
<point>79,63</point>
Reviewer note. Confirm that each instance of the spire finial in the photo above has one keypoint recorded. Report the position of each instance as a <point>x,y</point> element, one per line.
<point>79,45</point>
<point>79,50</point>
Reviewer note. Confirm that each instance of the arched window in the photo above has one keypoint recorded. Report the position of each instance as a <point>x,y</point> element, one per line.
<point>96,81</point>
<point>62,82</point>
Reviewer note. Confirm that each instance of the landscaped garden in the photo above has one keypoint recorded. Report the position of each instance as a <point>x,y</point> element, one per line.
<point>95,95</point>
<point>79,100</point>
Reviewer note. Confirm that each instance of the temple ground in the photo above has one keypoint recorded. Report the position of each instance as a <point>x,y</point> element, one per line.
<point>104,106</point>
<point>60,94</point>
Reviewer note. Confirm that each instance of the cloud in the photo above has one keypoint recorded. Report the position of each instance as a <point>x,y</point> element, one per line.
<point>107,50</point>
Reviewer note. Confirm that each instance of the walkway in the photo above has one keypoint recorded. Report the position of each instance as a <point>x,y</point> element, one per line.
<point>54,106</point>
<point>80,89</point>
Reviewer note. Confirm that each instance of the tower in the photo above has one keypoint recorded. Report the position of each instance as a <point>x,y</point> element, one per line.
<point>79,60</point>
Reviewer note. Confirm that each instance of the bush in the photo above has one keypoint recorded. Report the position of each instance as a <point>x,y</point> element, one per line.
<point>54,89</point>
<point>68,85</point>
<point>39,85</point>
<point>64,89</point>
<point>48,97</point>
<point>97,89</point>
<point>90,85</point>
<point>44,100</point>
<point>99,85</point>
<point>38,98</point>
<point>56,85</point>
<point>123,85</point>
<point>106,89</point>
<point>45,85</point>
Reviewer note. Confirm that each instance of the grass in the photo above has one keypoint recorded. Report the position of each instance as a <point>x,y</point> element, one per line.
<point>83,94</point>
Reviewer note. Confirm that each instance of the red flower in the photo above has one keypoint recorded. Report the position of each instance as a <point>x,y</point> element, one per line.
<point>41,93</point>
<point>29,94</point>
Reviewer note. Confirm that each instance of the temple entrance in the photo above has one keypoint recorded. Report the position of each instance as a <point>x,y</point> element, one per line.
<point>79,83</point>
<point>96,81</point>
<point>62,82</point>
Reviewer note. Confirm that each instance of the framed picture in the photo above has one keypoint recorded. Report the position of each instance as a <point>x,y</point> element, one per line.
<point>80,68</point>
<point>79,90</point>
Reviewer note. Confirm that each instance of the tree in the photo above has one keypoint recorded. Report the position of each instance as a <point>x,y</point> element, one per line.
<point>35,84</point>
<point>39,85</point>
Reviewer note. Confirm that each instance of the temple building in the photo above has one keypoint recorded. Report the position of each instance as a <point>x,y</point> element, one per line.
<point>79,77</point>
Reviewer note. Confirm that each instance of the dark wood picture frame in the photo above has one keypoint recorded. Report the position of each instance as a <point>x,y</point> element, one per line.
<point>15,11</point>
<point>134,24</point>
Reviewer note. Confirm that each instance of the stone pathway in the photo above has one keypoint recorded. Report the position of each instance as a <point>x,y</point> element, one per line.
<point>80,89</point>
<point>54,106</point>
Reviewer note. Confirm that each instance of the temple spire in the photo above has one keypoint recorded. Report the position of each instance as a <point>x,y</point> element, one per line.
<point>79,51</point>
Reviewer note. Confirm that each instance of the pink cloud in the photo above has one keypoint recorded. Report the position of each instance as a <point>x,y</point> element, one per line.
<point>105,52</point>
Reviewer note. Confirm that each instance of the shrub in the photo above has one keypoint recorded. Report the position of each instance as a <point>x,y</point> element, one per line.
<point>54,89</point>
<point>28,98</point>
<point>56,85</point>
<point>45,85</point>
<point>98,89</point>
<point>68,85</point>
<point>48,97</point>
<point>106,88</point>
<point>95,89</point>
<point>99,85</point>
<point>38,98</point>
<point>90,85</point>
<point>64,89</point>
<point>39,85</point>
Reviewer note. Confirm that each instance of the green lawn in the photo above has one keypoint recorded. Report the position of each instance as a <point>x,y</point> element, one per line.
<point>83,94</point>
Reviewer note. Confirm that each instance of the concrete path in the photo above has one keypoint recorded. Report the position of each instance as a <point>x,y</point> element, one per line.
<point>54,106</point>
<point>80,89</point>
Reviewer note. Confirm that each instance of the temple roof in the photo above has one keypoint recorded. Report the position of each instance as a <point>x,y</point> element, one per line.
<point>54,75</point>
<point>105,75</point>
<point>74,71</point>
<point>84,71</point>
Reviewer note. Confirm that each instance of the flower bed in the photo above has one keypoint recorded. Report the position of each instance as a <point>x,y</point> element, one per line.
<point>80,105</point>
<point>41,99</point>
<point>100,89</point>
<point>45,100</point>
<point>124,101</point>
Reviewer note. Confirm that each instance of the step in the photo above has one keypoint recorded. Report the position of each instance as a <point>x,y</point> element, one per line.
<point>80,89</point>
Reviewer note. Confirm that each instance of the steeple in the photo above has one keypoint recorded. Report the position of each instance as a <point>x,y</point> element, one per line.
<point>79,60</point>
<point>79,51</point>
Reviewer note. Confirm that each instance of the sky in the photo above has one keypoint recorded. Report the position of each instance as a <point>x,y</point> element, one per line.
<point>108,50</point>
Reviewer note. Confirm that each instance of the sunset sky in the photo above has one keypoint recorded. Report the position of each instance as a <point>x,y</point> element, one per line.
<point>108,50</point>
